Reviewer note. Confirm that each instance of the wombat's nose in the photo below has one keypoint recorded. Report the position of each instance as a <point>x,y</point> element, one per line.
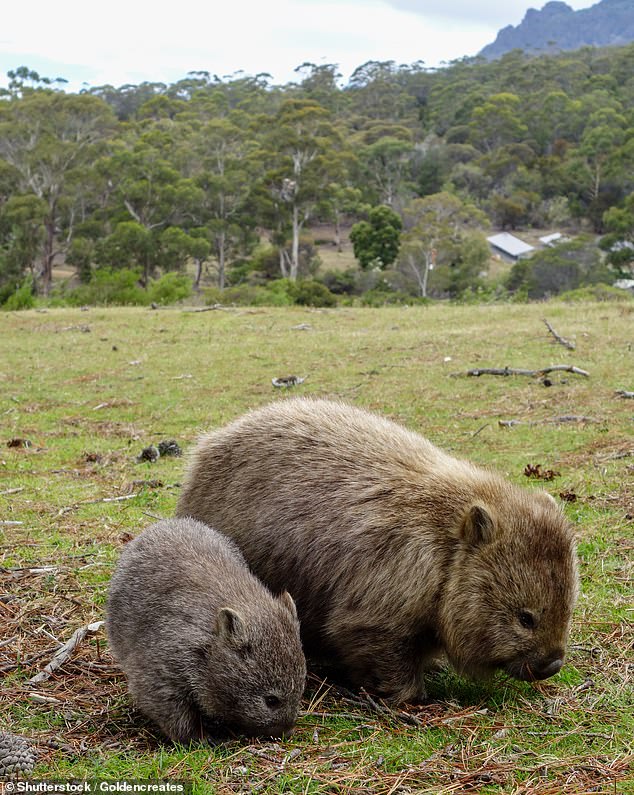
<point>281,731</point>
<point>550,669</point>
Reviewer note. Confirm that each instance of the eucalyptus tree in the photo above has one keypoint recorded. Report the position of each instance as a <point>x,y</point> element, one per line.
<point>497,122</point>
<point>149,195</point>
<point>320,83</point>
<point>305,156</point>
<point>387,164</point>
<point>22,219</point>
<point>220,157</point>
<point>47,137</point>
<point>442,234</point>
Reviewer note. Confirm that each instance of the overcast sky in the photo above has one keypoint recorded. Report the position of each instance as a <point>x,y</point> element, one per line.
<point>130,41</point>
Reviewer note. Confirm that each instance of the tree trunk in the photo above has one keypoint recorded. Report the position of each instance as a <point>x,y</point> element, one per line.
<point>199,273</point>
<point>338,231</point>
<point>221,241</point>
<point>295,244</point>
<point>49,254</point>
<point>283,267</point>
<point>420,278</point>
<point>428,267</point>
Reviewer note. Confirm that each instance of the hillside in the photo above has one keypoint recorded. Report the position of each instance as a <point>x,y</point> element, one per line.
<point>557,27</point>
<point>238,180</point>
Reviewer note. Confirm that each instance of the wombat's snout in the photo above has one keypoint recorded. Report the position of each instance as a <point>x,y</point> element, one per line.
<point>549,669</point>
<point>535,670</point>
<point>532,670</point>
<point>280,732</point>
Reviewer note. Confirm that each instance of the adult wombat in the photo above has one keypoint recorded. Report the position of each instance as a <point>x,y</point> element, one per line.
<point>393,550</point>
<point>205,646</point>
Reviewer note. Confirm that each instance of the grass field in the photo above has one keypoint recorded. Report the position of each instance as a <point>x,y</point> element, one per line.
<point>83,392</point>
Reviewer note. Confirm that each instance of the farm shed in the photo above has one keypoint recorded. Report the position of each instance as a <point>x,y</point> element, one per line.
<point>549,240</point>
<point>509,247</point>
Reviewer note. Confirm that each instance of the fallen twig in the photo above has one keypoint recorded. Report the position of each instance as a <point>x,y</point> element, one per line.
<point>76,505</point>
<point>63,654</point>
<point>554,420</point>
<point>572,418</point>
<point>40,699</point>
<point>561,340</point>
<point>567,368</point>
<point>383,709</point>
<point>207,308</point>
<point>624,394</point>
<point>287,381</point>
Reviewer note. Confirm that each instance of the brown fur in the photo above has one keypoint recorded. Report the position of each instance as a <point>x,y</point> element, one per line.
<point>394,551</point>
<point>205,646</point>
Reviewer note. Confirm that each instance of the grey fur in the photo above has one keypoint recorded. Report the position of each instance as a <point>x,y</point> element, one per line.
<point>206,648</point>
<point>394,551</point>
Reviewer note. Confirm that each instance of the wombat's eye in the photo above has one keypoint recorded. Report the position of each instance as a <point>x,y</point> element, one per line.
<point>527,620</point>
<point>272,702</point>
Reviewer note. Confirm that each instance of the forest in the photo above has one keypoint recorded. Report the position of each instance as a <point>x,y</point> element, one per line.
<point>231,187</point>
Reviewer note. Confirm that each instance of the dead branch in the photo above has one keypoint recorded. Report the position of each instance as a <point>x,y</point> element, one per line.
<point>40,699</point>
<point>555,420</point>
<point>572,418</point>
<point>567,368</point>
<point>63,654</point>
<point>381,708</point>
<point>212,308</point>
<point>624,394</point>
<point>288,381</point>
<point>561,340</point>
<point>76,505</point>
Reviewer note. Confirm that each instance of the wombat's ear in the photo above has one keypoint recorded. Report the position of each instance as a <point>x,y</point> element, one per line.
<point>287,600</point>
<point>478,526</point>
<point>230,626</point>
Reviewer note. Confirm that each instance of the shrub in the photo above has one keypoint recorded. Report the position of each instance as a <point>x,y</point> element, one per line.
<point>378,297</point>
<point>552,271</point>
<point>22,298</point>
<point>596,292</point>
<point>110,287</point>
<point>312,293</point>
<point>246,295</point>
<point>376,241</point>
<point>169,289</point>
<point>482,294</point>
<point>80,255</point>
<point>281,292</point>
<point>340,282</point>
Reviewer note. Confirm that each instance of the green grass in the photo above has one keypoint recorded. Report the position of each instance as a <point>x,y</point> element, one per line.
<point>89,390</point>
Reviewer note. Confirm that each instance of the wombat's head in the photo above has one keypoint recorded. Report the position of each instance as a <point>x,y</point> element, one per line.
<point>512,588</point>
<point>255,668</point>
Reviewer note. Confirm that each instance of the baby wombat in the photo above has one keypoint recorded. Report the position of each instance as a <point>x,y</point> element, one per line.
<point>394,551</point>
<point>206,648</point>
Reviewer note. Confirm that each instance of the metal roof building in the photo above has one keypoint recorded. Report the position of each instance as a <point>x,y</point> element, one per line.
<point>509,245</point>
<point>548,240</point>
